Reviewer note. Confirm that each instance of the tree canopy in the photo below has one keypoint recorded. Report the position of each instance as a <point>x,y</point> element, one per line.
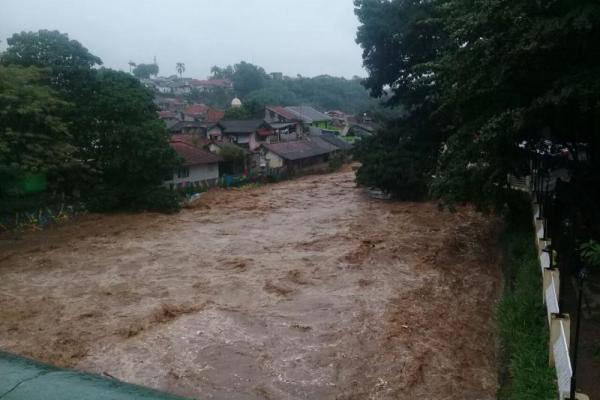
<point>34,140</point>
<point>478,78</point>
<point>145,70</point>
<point>253,84</point>
<point>71,111</point>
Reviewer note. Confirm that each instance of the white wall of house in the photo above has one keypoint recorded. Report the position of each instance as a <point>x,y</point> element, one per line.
<point>273,160</point>
<point>239,139</point>
<point>197,174</point>
<point>253,142</point>
<point>214,133</point>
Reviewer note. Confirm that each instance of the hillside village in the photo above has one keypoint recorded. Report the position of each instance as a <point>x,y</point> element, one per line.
<point>286,140</point>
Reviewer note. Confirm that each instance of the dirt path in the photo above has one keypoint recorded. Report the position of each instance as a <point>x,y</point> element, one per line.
<point>305,289</point>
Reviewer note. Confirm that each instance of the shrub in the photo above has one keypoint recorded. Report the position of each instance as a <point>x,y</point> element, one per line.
<point>336,162</point>
<point>160,199</point>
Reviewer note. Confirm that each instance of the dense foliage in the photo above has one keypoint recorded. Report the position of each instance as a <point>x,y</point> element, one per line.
<point>84,129</point>
<point>253,84</point>
<point>145,70</point>
<point>477,78</point>
<point>35,144</point>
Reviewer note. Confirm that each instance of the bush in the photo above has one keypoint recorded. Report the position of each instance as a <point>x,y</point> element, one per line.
<point>157,199</point>
<point>336,162</point>
<point>160,199</point>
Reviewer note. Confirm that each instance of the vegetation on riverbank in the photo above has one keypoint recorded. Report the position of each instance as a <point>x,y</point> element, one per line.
<point>525,374</point>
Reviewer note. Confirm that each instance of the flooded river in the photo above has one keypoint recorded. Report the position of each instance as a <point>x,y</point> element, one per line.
<point>306,289</point>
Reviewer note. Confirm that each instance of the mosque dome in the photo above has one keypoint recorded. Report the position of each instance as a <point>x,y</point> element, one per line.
<point>236,102</point>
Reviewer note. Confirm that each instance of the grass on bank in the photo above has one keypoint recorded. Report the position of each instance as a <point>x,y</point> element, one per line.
<point>525,373</point>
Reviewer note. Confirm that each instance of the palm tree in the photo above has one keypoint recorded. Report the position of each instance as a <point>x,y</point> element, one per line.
<point>180,68</point>
<point>131,65</point>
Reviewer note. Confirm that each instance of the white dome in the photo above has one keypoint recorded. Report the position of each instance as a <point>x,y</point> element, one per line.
<point>236,102</point>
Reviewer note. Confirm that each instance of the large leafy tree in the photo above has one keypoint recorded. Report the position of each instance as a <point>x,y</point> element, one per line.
<point>477,78</point>
<point>520,72</point>
<point>112,121</point>
<point>145,70</point>
<point>35,145</point>
<point>253,84</point>
<point>402,42</point>
<point>124,140</point>
<point>248,77</point>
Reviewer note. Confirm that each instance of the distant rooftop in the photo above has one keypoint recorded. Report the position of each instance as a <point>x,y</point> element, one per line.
<point>193,155</point>
<point>311,147</point>
<point>308,114</point>
<point>241,126</point>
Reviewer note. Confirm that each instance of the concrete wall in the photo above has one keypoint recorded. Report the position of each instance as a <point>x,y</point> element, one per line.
<point>214,133</point>
<point>198,174</point>
<point>273,160</point>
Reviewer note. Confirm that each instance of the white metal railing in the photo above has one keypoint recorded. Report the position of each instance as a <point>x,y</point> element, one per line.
<point>562,361</point>
<point>559,323</point>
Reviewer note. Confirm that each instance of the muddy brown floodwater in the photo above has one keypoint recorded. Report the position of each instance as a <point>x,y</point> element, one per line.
<point>306,289</point>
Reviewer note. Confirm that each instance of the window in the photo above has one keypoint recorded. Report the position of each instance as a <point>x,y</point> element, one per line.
<point>183,173</point>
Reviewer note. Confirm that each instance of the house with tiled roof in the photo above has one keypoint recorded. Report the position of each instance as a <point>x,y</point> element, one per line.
<point>310,153</point>
<point>198,128</point>
<point>211,84</point>
<point>199,166</point>
<point>310,116</point>
<point>195,112</point>
<point>249,134</point>
<point>286,125</point>
<point>280,114</point>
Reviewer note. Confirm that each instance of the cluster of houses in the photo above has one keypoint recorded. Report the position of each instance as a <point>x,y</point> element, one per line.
<point>177,86</point>
<point>286,139</point>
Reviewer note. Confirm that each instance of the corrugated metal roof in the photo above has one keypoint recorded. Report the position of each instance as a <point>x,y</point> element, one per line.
<point>336,141</point>
<point>242,126</point>
<point>311,147</point>
<point>283,112</point>
<point>308,114</point>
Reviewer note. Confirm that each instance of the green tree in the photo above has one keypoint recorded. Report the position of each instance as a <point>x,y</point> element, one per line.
<point>237,113</point>
<point>180,67</point>
<point>523,72</point>
<point>222,73</point>
<point>477,78</point>
<point>247,78</point>
<point>34,140</point>
<point>124,141</point>
<point>144,71</point>
<point>402,44</point>
<point>252,83</point>
<point>113,122</point>
<point>234,157</point>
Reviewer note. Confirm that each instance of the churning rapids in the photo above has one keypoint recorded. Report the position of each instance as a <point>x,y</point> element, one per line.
<point>306,289</point>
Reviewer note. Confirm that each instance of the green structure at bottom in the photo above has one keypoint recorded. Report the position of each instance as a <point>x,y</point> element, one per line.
<point>24,379</point>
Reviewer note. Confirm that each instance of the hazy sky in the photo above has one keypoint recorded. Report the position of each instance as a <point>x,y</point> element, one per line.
<point>307,37</point>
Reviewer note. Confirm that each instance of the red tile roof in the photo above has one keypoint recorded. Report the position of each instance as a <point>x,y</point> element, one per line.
<point>166,114</point>
<point>193,155</point>
<point>196,109</point>
<point>191,139</point>
<point>284,113</point>
<point>214,115</point>
<point>264,132</point>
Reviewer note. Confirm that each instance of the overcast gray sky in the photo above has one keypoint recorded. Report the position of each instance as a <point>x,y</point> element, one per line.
<point>307,37</point>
